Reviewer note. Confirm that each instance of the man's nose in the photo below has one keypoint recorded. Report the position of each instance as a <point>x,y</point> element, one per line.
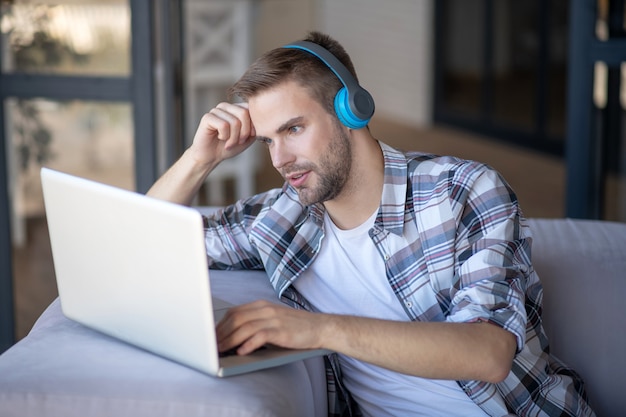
<point>280,154</point>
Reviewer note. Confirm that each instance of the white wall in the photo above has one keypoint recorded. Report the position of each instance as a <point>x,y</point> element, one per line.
<point>279,22</point>
<point>391,45</point>
<point>390,42</point>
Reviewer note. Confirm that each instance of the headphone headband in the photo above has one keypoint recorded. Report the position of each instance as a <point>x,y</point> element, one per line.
<point>354,105</point>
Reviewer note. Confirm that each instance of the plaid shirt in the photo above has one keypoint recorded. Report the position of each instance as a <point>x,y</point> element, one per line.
<point>456,249</point>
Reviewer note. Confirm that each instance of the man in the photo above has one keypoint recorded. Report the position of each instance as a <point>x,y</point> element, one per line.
<point>414,268</point>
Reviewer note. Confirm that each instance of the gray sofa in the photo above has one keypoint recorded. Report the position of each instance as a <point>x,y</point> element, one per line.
<point>64,369</point>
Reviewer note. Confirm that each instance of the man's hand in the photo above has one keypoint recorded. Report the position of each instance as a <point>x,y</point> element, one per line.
<point>250,326</point>
<point>224,132</point>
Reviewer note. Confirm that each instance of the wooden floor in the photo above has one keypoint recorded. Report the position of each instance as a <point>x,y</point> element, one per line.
<point>537,178</point>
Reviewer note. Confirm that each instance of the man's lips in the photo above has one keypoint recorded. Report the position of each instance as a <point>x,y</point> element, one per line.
<point>297,179</point>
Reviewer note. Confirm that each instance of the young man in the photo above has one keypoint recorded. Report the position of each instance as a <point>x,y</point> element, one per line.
<point>414,268</point>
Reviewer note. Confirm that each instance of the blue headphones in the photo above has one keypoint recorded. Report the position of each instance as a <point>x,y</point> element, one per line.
<point>354,105</point>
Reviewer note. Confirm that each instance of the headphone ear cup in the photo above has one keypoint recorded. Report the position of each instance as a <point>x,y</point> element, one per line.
<point>344,112</point>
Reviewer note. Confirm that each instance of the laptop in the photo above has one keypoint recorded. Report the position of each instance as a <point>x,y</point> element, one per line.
<point>135,268</point>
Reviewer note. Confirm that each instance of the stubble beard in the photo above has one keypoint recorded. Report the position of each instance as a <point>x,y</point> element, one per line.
<point>332,172</point>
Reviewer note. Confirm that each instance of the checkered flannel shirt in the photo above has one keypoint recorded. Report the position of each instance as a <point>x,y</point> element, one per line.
<point>456,248</point>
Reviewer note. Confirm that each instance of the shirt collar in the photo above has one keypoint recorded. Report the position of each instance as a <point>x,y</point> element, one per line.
<point>393,199</point>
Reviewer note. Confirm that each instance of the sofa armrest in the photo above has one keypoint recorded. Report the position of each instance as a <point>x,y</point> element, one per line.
<point>581,265</point>
<point>64,369</point>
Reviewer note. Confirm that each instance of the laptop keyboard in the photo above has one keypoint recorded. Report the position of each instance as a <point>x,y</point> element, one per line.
<point>229,352</point>
<point>233,351</point>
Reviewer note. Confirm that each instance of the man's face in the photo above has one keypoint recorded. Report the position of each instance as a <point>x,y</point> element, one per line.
<point>308,147</point>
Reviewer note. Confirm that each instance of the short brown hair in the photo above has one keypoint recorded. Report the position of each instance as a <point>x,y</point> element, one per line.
<point>285,64</point>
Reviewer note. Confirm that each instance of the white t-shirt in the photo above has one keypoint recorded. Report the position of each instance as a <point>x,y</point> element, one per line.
<point>348,277</point>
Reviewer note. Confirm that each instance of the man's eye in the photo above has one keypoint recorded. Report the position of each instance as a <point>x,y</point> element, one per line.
<point>295,129</point>
<point>264,140</point>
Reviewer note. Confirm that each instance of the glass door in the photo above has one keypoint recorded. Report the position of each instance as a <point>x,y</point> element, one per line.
<point>76,92</point>
<point>500,69</point>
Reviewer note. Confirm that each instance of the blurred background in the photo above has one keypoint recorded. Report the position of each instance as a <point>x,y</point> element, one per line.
<point>112,90</point>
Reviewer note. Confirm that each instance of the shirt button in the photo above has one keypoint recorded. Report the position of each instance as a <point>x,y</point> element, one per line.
<point>387,257</point>
<point>409,304</point>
